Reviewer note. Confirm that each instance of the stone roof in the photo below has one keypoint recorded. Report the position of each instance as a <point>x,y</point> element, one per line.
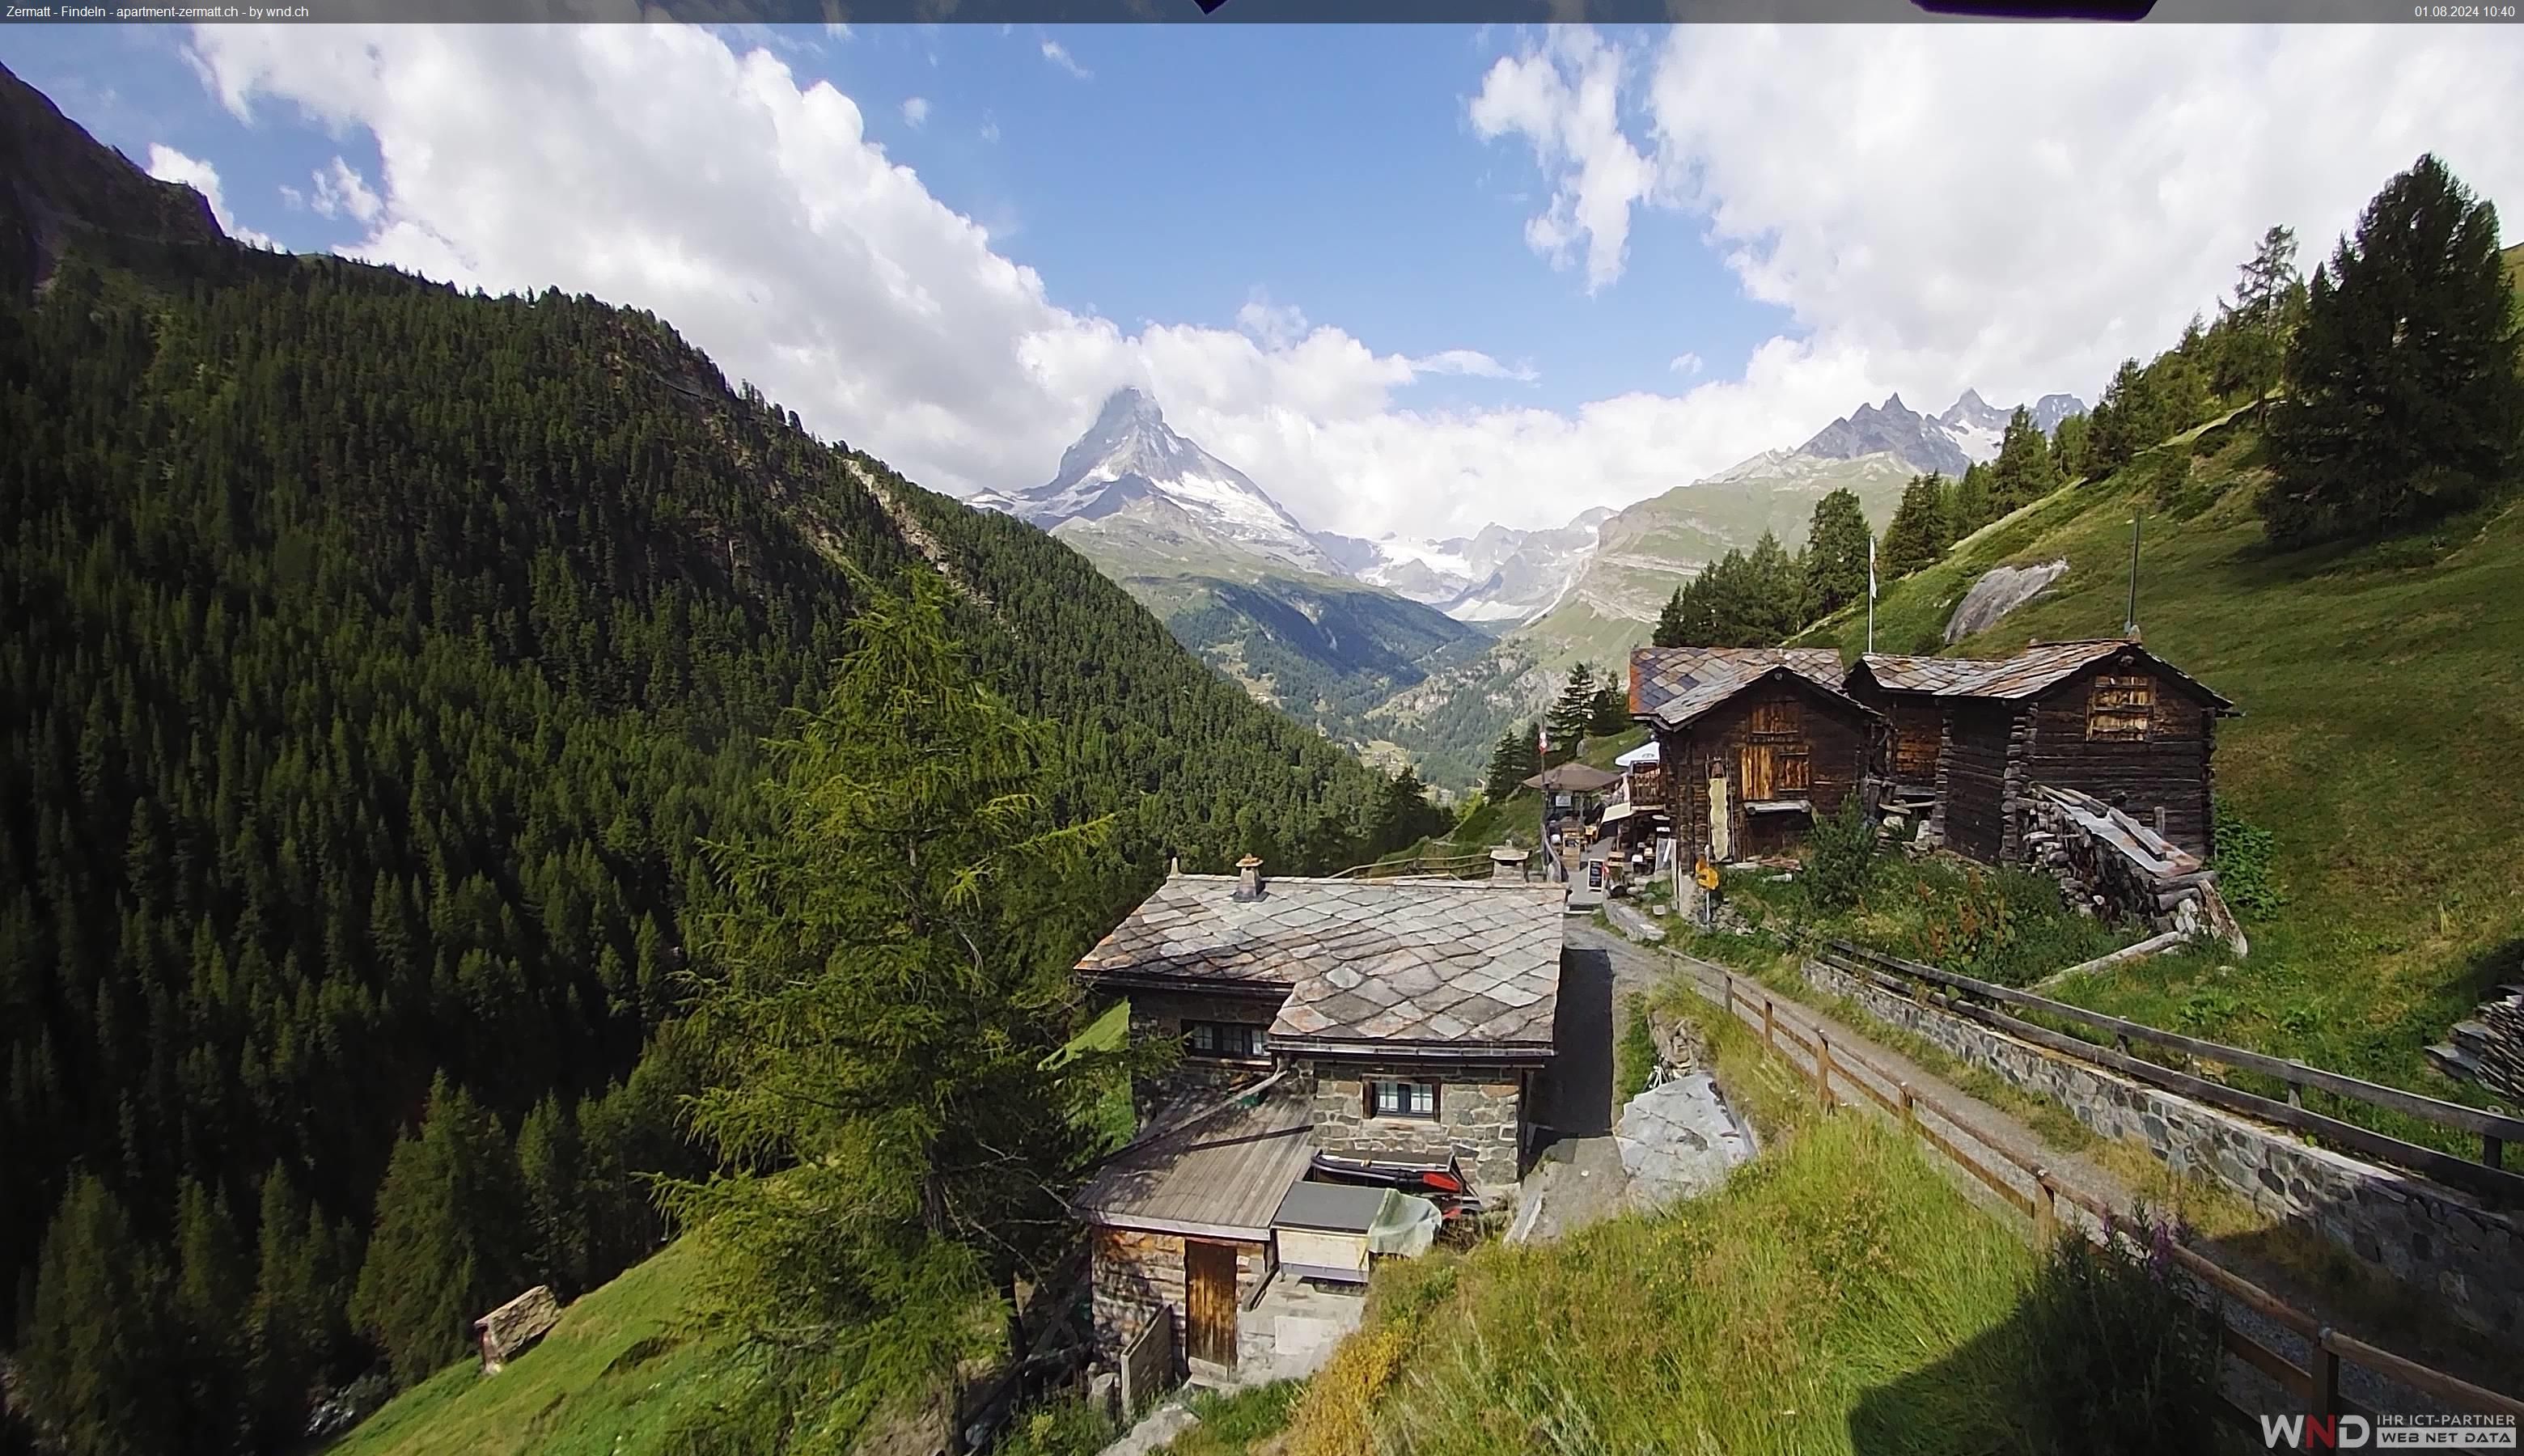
<point>1368,963</point>
<point>1660,676</point>
<point>2028,673</point>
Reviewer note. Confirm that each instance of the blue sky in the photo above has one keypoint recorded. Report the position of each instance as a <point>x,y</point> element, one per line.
<point>1191,170</point>
<point>946,244</point>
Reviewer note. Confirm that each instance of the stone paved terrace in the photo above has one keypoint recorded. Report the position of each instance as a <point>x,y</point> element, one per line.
<point>1469,963</point>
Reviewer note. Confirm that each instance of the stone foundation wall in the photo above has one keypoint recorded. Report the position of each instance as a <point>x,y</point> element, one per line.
<point>2422,1234</point>
<point>1479,1119</point>
<point>1138,1273</point>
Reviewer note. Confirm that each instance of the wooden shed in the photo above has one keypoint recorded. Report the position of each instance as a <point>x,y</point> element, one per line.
<point>1182,1223</point>
<point>2106,717</point>
<point>1755,744</point>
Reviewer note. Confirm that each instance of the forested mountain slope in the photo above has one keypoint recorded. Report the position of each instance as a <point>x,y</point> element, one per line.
<point>381,661</point>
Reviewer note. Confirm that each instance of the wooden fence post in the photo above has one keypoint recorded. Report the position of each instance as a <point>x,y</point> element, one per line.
<point>1823,1068</point>
<point>2045,1209</point>
<point>1910,1109</point>
<point>2326,1376</point>
<point>1767,1039</point>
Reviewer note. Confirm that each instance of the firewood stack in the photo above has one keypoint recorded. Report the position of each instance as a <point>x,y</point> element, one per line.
<point>2489,1049</point>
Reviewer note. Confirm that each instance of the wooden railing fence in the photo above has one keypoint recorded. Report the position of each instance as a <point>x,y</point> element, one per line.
<point>1837,1069</point>
<point>1981,1000</point>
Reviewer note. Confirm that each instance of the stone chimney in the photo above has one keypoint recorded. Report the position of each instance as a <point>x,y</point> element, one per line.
<point>1174,865</point>
<point>1248,878</point>
<point>1507,862</point>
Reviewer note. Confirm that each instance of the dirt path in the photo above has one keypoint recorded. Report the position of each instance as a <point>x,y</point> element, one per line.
<point>1976,1126</point>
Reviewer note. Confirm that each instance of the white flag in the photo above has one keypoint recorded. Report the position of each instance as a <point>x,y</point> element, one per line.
<point>1870,568</point>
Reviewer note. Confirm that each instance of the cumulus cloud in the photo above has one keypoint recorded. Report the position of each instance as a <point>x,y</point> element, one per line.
<point>1884,187</point>
<point>167,164</point>
<point>1688,364</point>
<point>915,111</point>
<point>2015,208</point>
<point>1058,55</point>
<point>1563,98</point>
<point>341,192</point>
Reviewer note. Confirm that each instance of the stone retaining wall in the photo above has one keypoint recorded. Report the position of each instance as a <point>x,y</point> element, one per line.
<point>2422,1234</point>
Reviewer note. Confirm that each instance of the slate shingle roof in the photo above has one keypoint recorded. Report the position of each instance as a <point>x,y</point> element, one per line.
<point>1661,676</point>
<point>2033,670</point>
<point>1470,964</point>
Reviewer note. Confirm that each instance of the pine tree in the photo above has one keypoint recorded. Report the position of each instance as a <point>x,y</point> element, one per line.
<point>1515,759</point>
<point>96,1345</point>
<point>212,1287</point>
<point>879,1021</point>
<point>1612,711</point>
<point>1836,553</point>
<point>1669,629</point>
<point>1775,596</point>
<point>1969,507</point>
<point>2024,471</point>
<point>551,1163</point>
<point>1916,535</point>
<point>295,1320</point>
<point>2125,419</point>
<point>452,1236</point>
<point>1572,715</point>
<point>2403,399</point>
<point>2069,446</point>
<point>2268,296</point>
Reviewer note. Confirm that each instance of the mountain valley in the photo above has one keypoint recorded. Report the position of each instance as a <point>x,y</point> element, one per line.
<point>1421,651</point>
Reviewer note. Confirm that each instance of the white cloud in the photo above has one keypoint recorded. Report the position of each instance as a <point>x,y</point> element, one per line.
<point>1886,187</point>
<point>341,192</point>
<point>1563,98</point>
<point>989,127</point>
<point>2015,208</point>
<point>915,111</point>
<point>1688,364</point>
<point>1473,362</point>
<point>167,164</point>
<point>1058,55</point>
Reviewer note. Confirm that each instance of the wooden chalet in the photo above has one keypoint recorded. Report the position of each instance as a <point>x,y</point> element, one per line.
<point>1401,1022</point>
<point>1754,743</point>
<point>2105,717</point>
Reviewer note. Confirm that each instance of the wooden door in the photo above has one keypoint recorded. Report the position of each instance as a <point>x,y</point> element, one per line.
<point>1210,1301</point>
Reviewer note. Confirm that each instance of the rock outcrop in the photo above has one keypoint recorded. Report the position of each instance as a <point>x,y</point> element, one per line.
<point>2000,591</point>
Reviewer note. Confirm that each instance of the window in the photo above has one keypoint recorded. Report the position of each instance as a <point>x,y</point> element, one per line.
<point>1389,1098</point>
<point>1222,1039</point>
<point>2120,708</point>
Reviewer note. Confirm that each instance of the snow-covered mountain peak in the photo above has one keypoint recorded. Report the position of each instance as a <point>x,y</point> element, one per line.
<point>1130,454</point>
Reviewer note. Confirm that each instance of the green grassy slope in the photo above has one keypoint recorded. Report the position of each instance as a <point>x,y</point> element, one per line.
<point>2383,685</point>
<point>1839,1296</point>
<point>614,1377</point>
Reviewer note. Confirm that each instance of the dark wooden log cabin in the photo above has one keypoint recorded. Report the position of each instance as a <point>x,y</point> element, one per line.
<point>2105,717</point>
<point>1905,690</point>
<point>1755,744</point>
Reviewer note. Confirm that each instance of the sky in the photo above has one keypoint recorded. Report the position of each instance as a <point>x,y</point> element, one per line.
<point>1409,278</point>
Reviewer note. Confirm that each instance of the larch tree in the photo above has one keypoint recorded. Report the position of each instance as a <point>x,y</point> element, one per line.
<point>878,1013</point>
